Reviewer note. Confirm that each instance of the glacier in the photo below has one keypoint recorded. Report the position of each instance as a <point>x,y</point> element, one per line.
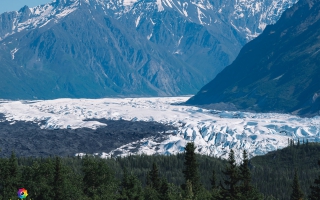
<point>214,132</point>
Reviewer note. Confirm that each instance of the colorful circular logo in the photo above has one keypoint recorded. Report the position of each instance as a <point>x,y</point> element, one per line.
<point>22,193</point>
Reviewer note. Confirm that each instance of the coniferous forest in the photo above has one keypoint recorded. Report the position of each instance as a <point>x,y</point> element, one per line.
<point>292,173</point>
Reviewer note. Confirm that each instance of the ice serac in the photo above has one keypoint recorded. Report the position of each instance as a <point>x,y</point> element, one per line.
<point>278,71</point>
<point>99,48</point>
<point>214,132</point>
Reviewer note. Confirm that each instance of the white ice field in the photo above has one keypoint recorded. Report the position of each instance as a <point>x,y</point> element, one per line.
<point>214,132</point>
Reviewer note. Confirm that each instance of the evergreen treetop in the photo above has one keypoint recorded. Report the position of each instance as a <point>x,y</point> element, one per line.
<point>230,190</point>
<point>191,165</point>
<point>297,193</point>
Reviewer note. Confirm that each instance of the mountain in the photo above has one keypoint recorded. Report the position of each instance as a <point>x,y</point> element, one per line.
<point>279,71</point>
<point>98,48</point>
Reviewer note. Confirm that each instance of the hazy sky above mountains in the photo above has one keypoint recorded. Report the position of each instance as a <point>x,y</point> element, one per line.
<point>11,5</point>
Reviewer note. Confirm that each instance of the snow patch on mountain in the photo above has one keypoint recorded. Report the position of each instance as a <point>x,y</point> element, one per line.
<point>268,12</point>
<point>214,132</point>
<point>65,12</point>
<point>137,21</point>
<point>128,2</point>
<point>14,51</point>
<point>159,5</point>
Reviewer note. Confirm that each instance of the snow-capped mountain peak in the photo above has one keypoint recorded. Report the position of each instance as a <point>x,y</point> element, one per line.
<point>239,13</point>
<point>121,34</point>
<point>249,17</point>
<point>30,18</point>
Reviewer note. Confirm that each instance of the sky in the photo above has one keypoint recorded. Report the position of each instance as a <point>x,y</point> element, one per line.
<point>11,5</point>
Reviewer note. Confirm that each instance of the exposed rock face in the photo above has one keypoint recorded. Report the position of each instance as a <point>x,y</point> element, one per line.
<point>98,48</point>
<point>279,71</point>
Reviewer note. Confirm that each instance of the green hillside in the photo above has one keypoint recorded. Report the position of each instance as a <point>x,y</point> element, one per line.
<point>88,178</point>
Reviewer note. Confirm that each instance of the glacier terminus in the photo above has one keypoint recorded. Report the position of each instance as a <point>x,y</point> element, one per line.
<point>214,132</point>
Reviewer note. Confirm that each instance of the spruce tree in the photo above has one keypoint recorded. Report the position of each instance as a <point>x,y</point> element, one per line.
<point>154,177</point>
<point>153,184</point>
<point>245,172</point>
<point>90,177</point>
<point>291,142</point>
<point>247,191</point>
<point>98,179</point>
<point>42,174</point>
<point>148,179</point>
<point>59,181</point>
<point>213,180</point>
<point>189,195</point>
<point>297,193</point>
<point>191,172</point>
<point>215,193</point>
<point>164,190</point>
<point>169,191</point>
<point>11,177</point>
<point>315,189</point>
<point>65,182</point>
<point>130,187</point>
<point>231,188</point>
<point>150,194</point>
<point>27,179</point>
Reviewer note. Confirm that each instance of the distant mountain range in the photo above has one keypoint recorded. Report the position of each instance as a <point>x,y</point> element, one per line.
<point>279,71</point>
<point>98,48</point>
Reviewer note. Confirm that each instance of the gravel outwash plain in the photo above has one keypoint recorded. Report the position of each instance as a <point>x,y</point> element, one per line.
<point>28,139</point>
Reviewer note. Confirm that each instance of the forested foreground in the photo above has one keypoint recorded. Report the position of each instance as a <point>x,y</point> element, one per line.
<point>290,173</point>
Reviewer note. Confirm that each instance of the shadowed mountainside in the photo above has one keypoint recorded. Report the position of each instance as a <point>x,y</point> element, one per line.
<point>279,71</point>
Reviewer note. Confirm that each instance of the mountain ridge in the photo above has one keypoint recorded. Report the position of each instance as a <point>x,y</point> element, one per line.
<point>282,77</point>
<point>120,48</point>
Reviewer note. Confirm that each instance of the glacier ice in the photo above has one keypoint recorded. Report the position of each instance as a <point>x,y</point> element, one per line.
<point>214,132</point>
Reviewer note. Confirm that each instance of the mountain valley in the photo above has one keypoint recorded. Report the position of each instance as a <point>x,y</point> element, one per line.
<point>98,48</point>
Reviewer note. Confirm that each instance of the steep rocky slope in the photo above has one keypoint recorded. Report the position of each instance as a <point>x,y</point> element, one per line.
<point>279,71</point>
<point>97,48</point>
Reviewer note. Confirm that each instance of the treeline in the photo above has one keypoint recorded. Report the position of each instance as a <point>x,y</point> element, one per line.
<point>291,173</point>
<point>273,173</point>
